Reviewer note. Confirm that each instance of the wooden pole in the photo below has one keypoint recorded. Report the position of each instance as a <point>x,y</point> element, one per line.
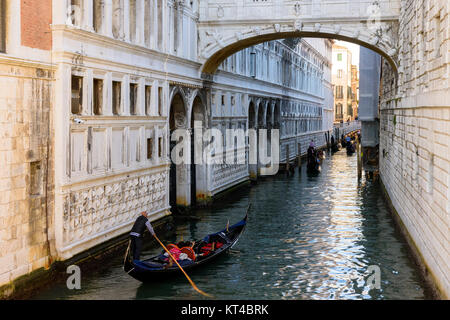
<point>189,279</point>
<point>287,160</point>
<point>358,150</point>
<point>299,157</point>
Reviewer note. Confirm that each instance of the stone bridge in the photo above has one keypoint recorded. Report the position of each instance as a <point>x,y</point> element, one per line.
<point>228,26</point>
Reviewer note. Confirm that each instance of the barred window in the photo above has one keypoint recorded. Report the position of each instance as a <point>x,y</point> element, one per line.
<point>133,98</point>
<point>98,97</point>
<point>77,95</point>
<point>116,97</point>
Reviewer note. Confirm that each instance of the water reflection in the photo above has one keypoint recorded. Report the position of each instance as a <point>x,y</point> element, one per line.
<point>308,237</point>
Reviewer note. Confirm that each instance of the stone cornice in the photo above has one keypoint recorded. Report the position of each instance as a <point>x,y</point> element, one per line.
<point>20,62</point>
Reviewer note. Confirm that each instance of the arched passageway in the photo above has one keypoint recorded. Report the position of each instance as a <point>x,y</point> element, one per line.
<point>178,185</point>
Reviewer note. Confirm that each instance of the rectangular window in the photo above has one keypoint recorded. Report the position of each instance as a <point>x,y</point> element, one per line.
<point>253,64</point>
<point>149,148</point>
<point>339,57</point>
<point>98,97</point>
<point>77,95</point>
<point>339,92</point>
<point>148,99</point>
<point>160,147</point>
<point>339,75</point>
<point>160,101</point>
<point>133,98</point>
<point>116,97</point>
<point>35,178</point>
<point>2,26</point>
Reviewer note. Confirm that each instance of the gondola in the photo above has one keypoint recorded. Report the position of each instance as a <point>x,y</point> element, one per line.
<point>350,149</point>
<point>314,163</point>
<point>314,168</point>
<point>200,253</point>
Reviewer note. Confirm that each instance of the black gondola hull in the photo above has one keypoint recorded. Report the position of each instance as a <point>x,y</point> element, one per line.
<point>147,271</point>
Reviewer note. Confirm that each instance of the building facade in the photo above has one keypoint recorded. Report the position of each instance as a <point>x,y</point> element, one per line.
<point>96,91</point>
<point>355,91</point>
<point>91,91</point>
<point>343,78</point>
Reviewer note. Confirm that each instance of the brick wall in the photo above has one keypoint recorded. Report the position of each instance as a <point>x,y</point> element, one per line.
<point>415,134</point>
<point>36,18</point>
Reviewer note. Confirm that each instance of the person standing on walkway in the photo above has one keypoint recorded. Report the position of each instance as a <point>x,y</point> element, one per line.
<point>137,233</point>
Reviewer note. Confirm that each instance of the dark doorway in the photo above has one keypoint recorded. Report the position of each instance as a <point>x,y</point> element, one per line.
<point>193,173</point>
<point>173,179</point>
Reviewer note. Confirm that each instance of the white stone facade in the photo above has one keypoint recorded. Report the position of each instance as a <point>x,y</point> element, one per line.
<point>119,77</point>
<point>123,73</point>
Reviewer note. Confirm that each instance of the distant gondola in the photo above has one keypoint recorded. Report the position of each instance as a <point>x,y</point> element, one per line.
<point>314,168</point>
<point>313,161</point>
<point>350,149</point>
<point>200,253</point>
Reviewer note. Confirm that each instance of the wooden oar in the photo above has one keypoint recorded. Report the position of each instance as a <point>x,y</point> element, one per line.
<point>189,279</point>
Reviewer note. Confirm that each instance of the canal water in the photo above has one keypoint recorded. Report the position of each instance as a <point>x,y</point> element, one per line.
<point>308,237</point>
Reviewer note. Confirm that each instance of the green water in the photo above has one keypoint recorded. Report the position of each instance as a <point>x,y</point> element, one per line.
<point>307,238</point>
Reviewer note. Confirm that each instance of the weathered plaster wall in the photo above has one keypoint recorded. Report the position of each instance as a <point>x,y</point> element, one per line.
<point>26,168</point>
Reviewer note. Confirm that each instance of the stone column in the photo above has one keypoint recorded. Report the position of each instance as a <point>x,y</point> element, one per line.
<point>60,10</point>
<point>107,18</point>
<point>87,92</point>
<point>107,95</point>
<point>62,146</point>
<point>140,22</point>
<point>88,15</point>
<point>125,96</point>
<point>141,98</point>
<point>126,20</point>
<point>253,153</point>
<point>154,30</point>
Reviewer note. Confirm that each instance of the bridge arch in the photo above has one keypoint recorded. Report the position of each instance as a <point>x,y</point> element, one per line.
<point>216,53</point>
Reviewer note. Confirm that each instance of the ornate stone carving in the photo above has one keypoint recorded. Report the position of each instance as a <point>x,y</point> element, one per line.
<point>297,8</point>
<point>337,28</point>
<point>180,119</point>
<point>298,25</point>
<point>98,209</point>
<point>209,38</point>
<point>220,12</point>
<point>317,27</point>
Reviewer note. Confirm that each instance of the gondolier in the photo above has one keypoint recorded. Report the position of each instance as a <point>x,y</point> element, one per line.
<point>137,232</point>
<point>199,253</point>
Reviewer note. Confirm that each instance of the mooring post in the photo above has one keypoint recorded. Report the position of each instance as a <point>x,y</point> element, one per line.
<point>287,160</point>
<point>299,157</point>
<point>358,150</point>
